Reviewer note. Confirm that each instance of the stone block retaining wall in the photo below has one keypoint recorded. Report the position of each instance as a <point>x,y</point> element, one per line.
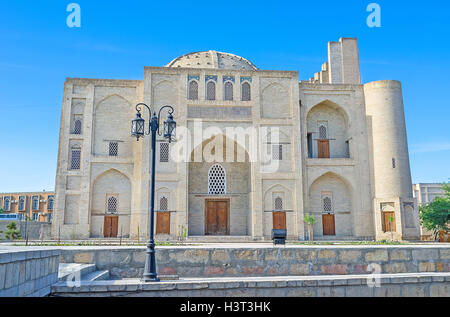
<point>265,261</point>
<point>28,273</point>
<point>391,285</point>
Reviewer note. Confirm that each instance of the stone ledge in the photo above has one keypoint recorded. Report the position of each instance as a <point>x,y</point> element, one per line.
<point>352,283</point>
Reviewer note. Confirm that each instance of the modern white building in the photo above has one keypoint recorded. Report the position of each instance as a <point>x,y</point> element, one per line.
<point>330,146</point>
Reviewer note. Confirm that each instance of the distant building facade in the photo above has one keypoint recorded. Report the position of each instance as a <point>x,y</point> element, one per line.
<point>341,153</point>
<point>425,193</point>
<point>37,206</point>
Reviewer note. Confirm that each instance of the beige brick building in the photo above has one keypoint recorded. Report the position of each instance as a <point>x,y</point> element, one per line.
<point>37,206</point>
<point>331,147</point>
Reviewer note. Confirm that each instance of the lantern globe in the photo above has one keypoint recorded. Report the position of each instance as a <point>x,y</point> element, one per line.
<point>138,126</point>
<point>169,128</point>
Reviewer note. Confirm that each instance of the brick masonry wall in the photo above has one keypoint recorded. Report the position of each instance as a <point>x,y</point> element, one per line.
<point>28,273</point>
<point>288,261</point>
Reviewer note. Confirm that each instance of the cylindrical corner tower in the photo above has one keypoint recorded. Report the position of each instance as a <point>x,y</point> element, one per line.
<point>390,167</point>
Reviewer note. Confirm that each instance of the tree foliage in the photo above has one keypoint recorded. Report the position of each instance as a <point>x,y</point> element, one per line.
<point>436,215</point>
<point>12,233</point>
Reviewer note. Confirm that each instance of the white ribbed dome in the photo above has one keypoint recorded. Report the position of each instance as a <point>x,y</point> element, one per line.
<point>212,59</point>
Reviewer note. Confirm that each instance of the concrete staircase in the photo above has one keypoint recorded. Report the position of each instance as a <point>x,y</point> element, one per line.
<point>83,272</point>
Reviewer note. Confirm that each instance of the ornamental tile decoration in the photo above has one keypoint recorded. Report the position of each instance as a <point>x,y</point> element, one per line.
<point>210,77</point>
<point>228,78</point>
<point>249,79</point>
<point>193,77</point>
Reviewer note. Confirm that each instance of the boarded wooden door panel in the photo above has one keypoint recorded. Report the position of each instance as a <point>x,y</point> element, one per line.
<point>329,228</point>
<point>163,223</point>
<point>111,227</point>
<point>221,217</point>
<point>279,220</point>
<point>388,226</point>
<point>323,148</point>
<point>217,218</point>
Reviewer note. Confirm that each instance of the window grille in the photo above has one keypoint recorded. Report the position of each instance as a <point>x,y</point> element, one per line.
<point>228,91</point>
<point>113,148</point>
<point>217,180</point>
<point>211,91</point>
<point>164,152</point>
<point>327,205</point>
<point>75,162</point>
<point>277,152</point>
<point>112,204</point>
<point>77,127</point>
<point>193,90</point>
<point>278,204</point>
<point>246,92</point>
<point>163,204</point>
<point>323,132</point>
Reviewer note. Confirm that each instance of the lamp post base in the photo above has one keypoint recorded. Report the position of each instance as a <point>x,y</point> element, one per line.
<point>150,279</point>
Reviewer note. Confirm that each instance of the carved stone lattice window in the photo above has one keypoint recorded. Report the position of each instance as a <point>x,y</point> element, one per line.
<point>193,90</point>
<point>164,152</point>
<point>75,161</point>
<point>277,152</point>
<point>327,204</point>
<point>163,204</point>
<point>211,90</point>
<point>217,180</point>
<point>113,148</point>
<point>228,91</point>
<point>323,135</point>
<point>246,91</point>
<point>77,127</point>
<point>278,204</point>
<point>112,205</point>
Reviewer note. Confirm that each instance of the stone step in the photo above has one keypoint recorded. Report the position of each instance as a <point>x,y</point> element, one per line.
<point>76,269</point>
<point>96,276</point>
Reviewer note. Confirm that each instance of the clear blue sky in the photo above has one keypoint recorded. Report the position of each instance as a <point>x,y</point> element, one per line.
<point>118,38</point>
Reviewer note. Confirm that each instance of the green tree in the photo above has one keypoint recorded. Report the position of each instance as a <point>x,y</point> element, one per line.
<point>1,210</point>
<point>12,233</point>
<point>310,221</point>
<point>391,220</point>
<point>436,215</point>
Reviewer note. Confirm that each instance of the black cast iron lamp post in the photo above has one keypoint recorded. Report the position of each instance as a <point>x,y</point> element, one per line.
<point>138,131</point>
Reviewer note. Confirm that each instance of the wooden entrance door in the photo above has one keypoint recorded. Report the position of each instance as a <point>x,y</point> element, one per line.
<point>163,223</point>
<point>111,226</point>
<point>217,218</point>
<point>329,225</point>
<point>388,226</point>
<point>279,220</point>
<point>323,148</point>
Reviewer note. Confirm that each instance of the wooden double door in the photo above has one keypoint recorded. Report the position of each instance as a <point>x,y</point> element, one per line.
<point>111,228</point>
<point>217,218</point>
<point>163,223</point>
<point>329,225</point>
<point>323,148</point>
<point>387,225</point>
<point>279,220</point>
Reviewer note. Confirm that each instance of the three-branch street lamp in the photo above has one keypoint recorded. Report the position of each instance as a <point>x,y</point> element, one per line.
<point>138,131</point>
